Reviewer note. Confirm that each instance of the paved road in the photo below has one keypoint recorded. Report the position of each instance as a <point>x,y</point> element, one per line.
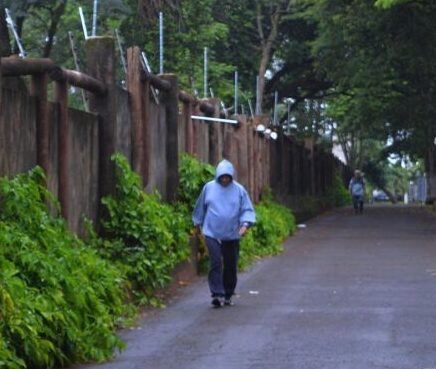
<point>350,292</point>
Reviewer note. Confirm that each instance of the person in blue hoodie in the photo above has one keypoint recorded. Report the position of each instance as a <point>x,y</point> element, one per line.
<point>224,213</point>
<point>357,191</point>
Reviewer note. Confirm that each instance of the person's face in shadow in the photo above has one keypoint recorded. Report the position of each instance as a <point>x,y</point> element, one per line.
<point>225,180</point>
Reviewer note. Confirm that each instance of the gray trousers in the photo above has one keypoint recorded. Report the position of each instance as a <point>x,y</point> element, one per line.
<point>223,266</point>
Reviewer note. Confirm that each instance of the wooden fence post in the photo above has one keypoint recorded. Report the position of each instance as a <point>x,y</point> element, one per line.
<point>61,96</point>
<point>134,86</point>
<point>241,138</point>
<point>310,152</point>
<point>39,92</point>
<point>0,82</point>
<point>171,101</point>
<point>189,127</point>
<point>146,145</point>
<point>250,153</point>
<point>215,136</point>
<point>100,65</point>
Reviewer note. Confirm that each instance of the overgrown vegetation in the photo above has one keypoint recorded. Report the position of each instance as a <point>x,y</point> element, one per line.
<point>59,301</point>
<point>274,223</point>
<point>338,194</point>
<point>193,176</point>
<point>142,235</point>
<point>62,299</point>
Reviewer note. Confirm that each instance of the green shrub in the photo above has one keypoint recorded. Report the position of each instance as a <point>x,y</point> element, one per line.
<point>193,176</point>
<point>142,235</point>
<point>274,223</point>
<point>337,194</point>
<point>60,302</point>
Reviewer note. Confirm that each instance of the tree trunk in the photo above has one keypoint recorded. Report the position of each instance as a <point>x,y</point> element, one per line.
<point>267,43</point>
<point>56,16</point>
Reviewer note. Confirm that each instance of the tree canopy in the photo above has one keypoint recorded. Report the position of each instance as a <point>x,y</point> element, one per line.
<point>351,69</point>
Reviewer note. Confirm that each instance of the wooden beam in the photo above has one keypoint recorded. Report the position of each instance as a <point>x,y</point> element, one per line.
<point>155,81</point>
<point>13,66</point>
<point>39,91</point>
<point>61,97</point>
<point>205,106</point>
<point>78,79</point>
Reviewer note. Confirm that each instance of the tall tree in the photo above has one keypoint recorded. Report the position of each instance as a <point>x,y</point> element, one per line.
<point>269,16</point>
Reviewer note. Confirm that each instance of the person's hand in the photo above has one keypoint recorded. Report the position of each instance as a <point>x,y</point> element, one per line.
<point>197,230</point>
<point>243,230</point>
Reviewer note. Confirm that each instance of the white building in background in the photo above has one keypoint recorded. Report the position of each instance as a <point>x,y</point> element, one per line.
<point>338,152</point>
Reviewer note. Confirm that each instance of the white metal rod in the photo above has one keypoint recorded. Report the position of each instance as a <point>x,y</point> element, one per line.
<point>288,120</point>
<point>11,25</point>
<point>250,107</point>
<point>120,47</point>
<point>258,110</point>
<point>161,45</point>
<point>94,18</point>
<point>82,18</point>
<point>276,95</point>
<point>225,110</point>
<point>288,127</point>
<point>210,119</point>
<point>73,50</point>
<point>147,64</point>
<point>236,93</point>
<point>205,72</point>
<point>77,66</point>
<point>147,67</point>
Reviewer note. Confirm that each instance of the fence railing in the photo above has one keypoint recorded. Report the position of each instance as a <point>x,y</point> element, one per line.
<point>75,148</point>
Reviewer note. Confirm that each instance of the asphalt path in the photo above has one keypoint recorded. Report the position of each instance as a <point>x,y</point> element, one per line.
<point>349,292</point>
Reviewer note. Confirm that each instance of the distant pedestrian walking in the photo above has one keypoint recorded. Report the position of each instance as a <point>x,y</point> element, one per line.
<point>357,191</point>
<point>224,212</point>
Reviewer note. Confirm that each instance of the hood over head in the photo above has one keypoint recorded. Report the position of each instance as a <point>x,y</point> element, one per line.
<point>224,167</point>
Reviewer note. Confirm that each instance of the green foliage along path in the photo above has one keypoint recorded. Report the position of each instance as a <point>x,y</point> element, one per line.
<point>59,301</point>
<point>62,299</point>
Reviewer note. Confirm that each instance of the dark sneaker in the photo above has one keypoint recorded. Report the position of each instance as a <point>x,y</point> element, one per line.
<point>217,302</point>
<point>228,302</point>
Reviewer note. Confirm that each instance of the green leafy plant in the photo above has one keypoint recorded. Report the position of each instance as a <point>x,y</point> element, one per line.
<point>337,194</point>
<point>142,235</point>
<point>193,176</point>
<point>274,223</point>
<point>60,303</point>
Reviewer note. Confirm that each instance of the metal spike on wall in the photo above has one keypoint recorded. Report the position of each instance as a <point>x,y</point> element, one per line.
<point>77,66</point>
<point>94,18</point>
<point>146,66</point>
<point>120,48</point>
<point>13,29</point>
<point>82,19</point>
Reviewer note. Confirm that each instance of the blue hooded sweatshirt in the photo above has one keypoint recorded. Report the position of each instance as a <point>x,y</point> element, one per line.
<point>221,210</point>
